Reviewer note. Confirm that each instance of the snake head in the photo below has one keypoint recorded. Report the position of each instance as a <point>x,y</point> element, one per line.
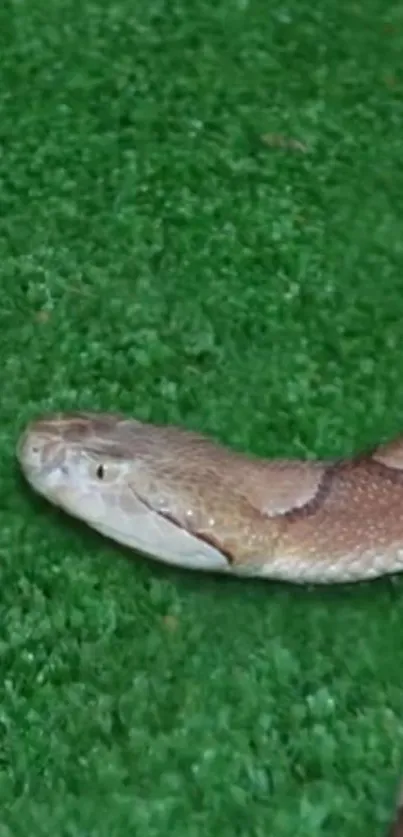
<point>75,460</point>
<point>98,468</point>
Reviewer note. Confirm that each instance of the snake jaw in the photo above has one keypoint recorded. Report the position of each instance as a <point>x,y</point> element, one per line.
<point>206,539</point>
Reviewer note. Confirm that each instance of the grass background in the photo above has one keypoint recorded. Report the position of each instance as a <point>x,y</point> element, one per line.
<point>157,257</point>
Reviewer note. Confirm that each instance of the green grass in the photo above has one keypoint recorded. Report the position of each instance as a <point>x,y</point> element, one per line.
<point>158,258</point>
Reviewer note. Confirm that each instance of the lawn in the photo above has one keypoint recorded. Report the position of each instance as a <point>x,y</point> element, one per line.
<point>164,253</point>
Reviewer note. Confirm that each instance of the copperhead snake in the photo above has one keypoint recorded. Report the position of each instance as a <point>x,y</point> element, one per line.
<point>187,500</point>
<point>184,499</point>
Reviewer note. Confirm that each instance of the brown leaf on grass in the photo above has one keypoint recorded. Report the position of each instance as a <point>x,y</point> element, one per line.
<point>286,143</point>
<point>170,622</point>
<point>390,81</point>
<point>42,316</point>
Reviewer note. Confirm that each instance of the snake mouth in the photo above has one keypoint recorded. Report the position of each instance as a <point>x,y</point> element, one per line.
<point>208,539</point>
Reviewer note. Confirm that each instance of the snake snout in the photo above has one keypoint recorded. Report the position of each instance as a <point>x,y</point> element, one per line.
<point>39,455</point>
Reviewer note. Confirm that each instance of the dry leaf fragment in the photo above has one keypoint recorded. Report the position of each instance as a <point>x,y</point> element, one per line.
<point>280,141</point>
<point>170,622</point>
<point>42,316</point>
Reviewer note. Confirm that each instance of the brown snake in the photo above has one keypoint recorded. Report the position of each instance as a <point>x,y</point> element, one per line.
<point>185,499</point>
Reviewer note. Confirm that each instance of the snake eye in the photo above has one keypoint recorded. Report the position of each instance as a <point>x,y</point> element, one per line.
<point>100,472</point>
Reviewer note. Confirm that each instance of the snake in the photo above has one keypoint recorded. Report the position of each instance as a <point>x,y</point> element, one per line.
<point>186,499</point>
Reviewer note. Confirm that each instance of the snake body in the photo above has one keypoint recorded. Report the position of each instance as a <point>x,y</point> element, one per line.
<point>185,499</point>
<point>396,826</point>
